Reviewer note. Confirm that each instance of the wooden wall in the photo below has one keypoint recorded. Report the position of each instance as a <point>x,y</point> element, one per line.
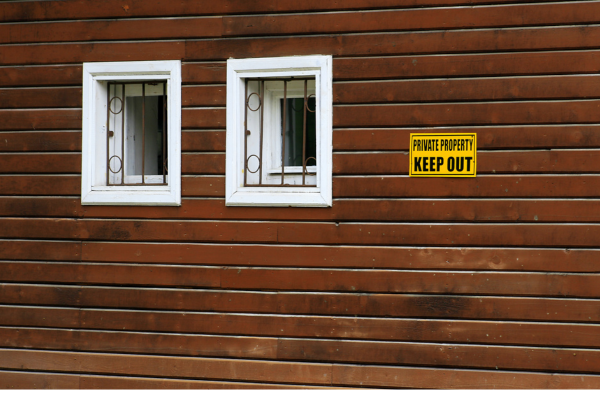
<point>490,282</point>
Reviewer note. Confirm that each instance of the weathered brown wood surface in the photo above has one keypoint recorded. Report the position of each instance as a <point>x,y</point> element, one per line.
<point>491,282</point>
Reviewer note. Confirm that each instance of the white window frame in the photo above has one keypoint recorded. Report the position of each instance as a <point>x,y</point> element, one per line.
<point>94,188</point>
<point>318,67</point>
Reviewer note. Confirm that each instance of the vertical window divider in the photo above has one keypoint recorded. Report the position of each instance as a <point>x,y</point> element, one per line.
<point>164,132</point>
<point>143,133</point>
<point>262,113</point>
<point>304,134</point>
<point>123,138</point>
<point>283,132</point>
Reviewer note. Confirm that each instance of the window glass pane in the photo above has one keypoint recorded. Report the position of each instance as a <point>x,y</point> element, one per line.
<point>144,130</point>
<point>294,121</point>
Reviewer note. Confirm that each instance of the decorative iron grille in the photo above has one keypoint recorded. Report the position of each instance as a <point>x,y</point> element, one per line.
<point>128,161</point>
<point>300,134</point>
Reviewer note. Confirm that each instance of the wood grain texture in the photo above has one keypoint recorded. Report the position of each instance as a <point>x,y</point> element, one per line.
<point>352,257</point>
<point>486,89</point>
<point>410,20</point>
<point>129,29</point>
<point>77,9</point>
<point>398,377</point>
<point>204,118</point>
<point>12,380</point>
<point>44,251</point>
<point>384,44</point>
<point>398,210</point>
<point>40,163</point>
<point>175,367</point>
<point>203,140</point>
<point>354,281</point>
<point>40,141</point>
<point>32,54</point>
<point>341,304</point>
<point>40,98</point>
<point>496,113</point>
<point>488,137</point>
<point>504,162</point>
<point>332,327</point>
<point>36,380</point>
<point>40,185</point>
<point>315,233</point>
<point>467,65</point>
<point>32,119</point>
<point>347,351</point>
<point>537,186</point>
<point>51,75</point>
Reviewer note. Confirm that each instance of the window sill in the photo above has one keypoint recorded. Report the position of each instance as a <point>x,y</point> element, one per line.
<point>287,197</point>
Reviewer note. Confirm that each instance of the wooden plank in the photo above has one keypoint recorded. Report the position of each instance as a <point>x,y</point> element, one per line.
<point>460,65</point>
<point>47,75</point>
<point>46,251</point>
<point>140,343</point>
<point>203,163</point>
<point>202,186</point>
<point>138,230</point>
<point>431,66</point>
<point>40,98</point>
<point>445,306</point>
<point>505,15</point>
<point>399,210</point>
<point>213,72</point>
<point>488,137</point>
<point>130,29</point>
<point>552,260</point>
<point>505,113</point>
<point>536,162</point>
<point>31,54</point>
<point>397,67</point>
<point>34,380</point>
<point>488,283</point>
<point>111,274</point>
<point>205,118</point>
<point>399,377</point>
<point>32,119</point>
<point>453,356</point>
<point>175,367</point>
<point>568,186</point>
<point>40,141</point>
<point>41,163</point>
<point>40,207</point>
<point>198,96</point>
<point>452,234</point>
<point>120,383</point>
<point>371,281</point>
<point>433,90</point>
<point>77,9</point>
<point>202,140</point>
<point>383,44</point>
<point>40,185</point>
<point>472,89</point>
<point>397,115</point>
<point>388,329</point>
<point>345,351</point>
<point>315,233</point>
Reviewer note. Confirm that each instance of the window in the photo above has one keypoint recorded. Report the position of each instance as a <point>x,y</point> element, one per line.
<point>131,132</point>
<point>279,132</point>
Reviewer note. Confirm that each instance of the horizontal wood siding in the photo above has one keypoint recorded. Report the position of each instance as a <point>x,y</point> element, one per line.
<point>491,282</point>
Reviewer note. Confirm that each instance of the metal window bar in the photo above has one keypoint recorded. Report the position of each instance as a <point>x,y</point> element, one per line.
<point>261,94</point>
<point>112,87</point>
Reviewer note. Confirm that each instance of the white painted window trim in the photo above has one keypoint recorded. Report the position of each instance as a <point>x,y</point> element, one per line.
<point>92,191</point>
<point>235,194</point>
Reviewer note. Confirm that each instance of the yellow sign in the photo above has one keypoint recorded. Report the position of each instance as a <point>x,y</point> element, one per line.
<point>443,154</point>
